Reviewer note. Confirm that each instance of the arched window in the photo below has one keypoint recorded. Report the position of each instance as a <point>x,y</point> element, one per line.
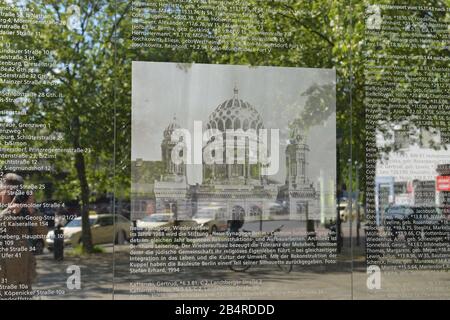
<point>228,124</point>
<point>237,124</point>
<point>245,125</point>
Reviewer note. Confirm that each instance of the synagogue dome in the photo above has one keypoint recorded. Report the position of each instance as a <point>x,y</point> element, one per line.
<point>235,114</point>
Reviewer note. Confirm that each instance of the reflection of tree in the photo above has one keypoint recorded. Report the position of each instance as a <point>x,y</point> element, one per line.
<point>320,34</point>
<point>92,106</point>
<point>80,103</point>
<point>316,32</point>
<point>146,173</point>
<point>404,79</point>
<point>319,106</point>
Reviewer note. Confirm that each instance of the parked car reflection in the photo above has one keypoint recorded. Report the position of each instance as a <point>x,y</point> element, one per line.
<point>213,218</point>
<point>103,231</point>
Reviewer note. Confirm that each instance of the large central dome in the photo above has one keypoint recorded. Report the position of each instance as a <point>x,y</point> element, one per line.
<point>235,114</point>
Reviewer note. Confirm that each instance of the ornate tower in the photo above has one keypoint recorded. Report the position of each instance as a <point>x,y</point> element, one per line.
<point>171,191</point>
<point>303,197</point>
<point>167,145</point>
<point>296,160</point>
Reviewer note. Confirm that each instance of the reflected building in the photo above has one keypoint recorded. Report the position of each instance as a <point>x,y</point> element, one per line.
<point>233,176</point>
<point>238,183</point>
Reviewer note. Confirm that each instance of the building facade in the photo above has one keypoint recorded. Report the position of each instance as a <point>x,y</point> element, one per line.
<point>234,178</point>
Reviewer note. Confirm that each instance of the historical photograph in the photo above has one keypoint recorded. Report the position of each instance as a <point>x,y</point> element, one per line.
<point>258,143</point>
<point>235,163</point>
